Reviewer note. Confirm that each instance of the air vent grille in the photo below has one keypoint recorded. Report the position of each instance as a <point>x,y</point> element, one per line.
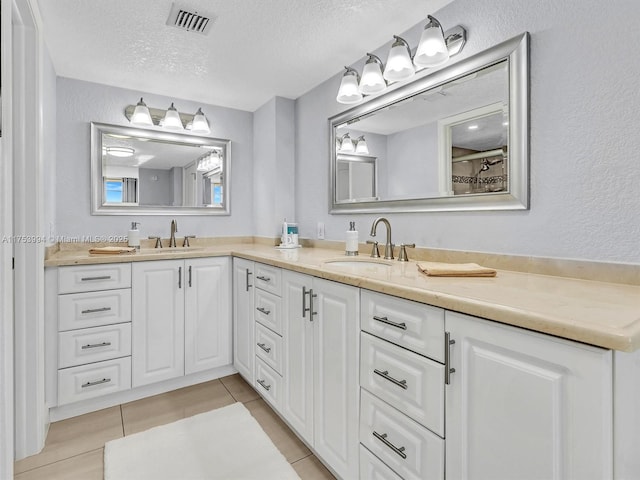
<point>189,20</point>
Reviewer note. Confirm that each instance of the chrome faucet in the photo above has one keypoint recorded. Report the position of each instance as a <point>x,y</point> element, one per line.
<point>388,246</point>
<point>174,229</point>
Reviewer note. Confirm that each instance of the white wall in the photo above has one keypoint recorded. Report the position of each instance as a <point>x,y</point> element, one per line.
<point>585,176</point>
<point>80,103</point>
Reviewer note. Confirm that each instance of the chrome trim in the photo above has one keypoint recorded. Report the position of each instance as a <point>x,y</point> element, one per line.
<point>383,438</point>
<point>402,325</point>
<point>448,370</point>
<point>97,382</point>
<point>95,345</point>
<point>385,374</point>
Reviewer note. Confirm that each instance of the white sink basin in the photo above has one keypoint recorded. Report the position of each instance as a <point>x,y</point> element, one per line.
<point>364,263</point>
<point>165,250</point>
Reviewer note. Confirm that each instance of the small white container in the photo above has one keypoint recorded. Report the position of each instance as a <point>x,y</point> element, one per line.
<point>351,240</point>
<point>134,236</point>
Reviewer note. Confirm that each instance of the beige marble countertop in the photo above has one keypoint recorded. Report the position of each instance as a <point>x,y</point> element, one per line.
<point>597,313</point>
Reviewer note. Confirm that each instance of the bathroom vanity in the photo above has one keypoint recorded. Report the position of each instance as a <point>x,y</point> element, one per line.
<point>382,371</point>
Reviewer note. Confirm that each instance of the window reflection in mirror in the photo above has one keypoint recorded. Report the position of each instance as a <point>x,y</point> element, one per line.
<point>145,171</point>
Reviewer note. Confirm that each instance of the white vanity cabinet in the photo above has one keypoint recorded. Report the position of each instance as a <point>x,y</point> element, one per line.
<point>526,405</point>
<point>93,341</point>
<point>243,323</point>
<point>181,318</point>
<point>321,390</point>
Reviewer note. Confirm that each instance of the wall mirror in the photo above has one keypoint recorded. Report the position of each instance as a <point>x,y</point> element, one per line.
<point>456,139</point>
<point>136,171</point>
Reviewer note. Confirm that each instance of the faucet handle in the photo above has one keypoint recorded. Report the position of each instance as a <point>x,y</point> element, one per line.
<point>375,253</point>
<point>402,256</point>
<point>186,240</point>
<point>158,241</point>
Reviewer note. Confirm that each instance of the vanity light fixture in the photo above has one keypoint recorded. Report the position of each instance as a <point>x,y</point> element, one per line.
<point>349,92</point>
<point>200,123</point>
<point>121,152</point>
<point>361,146</point>
<point>399,64</point>
<point>346,144</point>
<point>210,161</point>
<point>172,119</point>
<point>141,115</point>
<point>434,49</point>
<point>372,80</point>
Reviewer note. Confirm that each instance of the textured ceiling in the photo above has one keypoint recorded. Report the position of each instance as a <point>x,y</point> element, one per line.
<point>257,49</point>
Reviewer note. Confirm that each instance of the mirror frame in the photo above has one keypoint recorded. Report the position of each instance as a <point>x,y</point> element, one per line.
<point>516,52</point>
<point>97,206</point>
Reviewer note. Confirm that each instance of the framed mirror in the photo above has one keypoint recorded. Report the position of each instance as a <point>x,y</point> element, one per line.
<point>136,171</point>
<point>456,139</point>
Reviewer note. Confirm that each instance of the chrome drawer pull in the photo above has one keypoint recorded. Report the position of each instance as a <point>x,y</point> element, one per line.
<point>86,279</point>
<point>263,310</point>
<point>96,310</point>
<point>263,278</point>
<point>264,347</point>
<point>97,382</point>
<point>247,279</point>
<point>96,345</point>
<point>448,369</point>
<point>402,326</point>
<point>383,439</point>
<point>386,376</point>
<point>264,385</point>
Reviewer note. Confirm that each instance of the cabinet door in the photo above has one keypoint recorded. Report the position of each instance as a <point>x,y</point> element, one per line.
<point>336,386</point>
<point>243,327</point>
<point>297,401</point>
<point>207,327</point>
<point>525,405</point>
<point>157,323</point>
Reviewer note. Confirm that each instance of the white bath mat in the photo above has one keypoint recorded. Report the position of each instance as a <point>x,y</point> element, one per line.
<point>223,444</point>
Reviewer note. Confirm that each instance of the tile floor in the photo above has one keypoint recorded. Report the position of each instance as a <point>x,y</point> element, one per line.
<point>74,447</point>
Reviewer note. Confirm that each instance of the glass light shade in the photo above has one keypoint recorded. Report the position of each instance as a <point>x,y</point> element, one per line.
<point>361,146</point>
<point>399,65</point>
<point>172,119</point>
<point>348,92</point>
<point>121,152</point>
<point>141,115</point>
<point>347,144</point>
<point>372,80</point>
<point>200,123</point>
<point>432,49</point>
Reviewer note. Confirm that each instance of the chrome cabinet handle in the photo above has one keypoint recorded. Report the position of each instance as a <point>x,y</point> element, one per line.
<point>402,325</point>
<point>264,347</point>
<point>383,439</point>
<point>448,370</point>
<point>247,279</point>
<point>88,279</point>
<point>189,276</point>
<point>304,302</point>
<point>96,310</point>
<point>95,345</point>
<point>263,278</point>
<point>97,382</point>
<point>263,310</point>
<point>311,297</point>
<point>264,385</point>
<point>179,277</point>
<point>386,376</point>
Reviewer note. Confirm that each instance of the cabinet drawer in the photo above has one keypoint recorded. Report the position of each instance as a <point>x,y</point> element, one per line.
<point>268,278</point>
<point>268,384</point>
<point>89,278</point>
<point>268,310</point>
<point>372,468</point>
<point>407,381</point>
<point>93,309</point>
<point>408,448</point>
<point>93,380</point>
<point>269,347</point>
<point>78,347</point>
<point>413,325</point>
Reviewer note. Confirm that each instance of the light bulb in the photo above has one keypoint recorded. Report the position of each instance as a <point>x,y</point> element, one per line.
<point>432,49</point>
<point>372,80</point>
<point>200,123</point>
<point>399,65</point>
<point>347,144</point>
<point>172,119</point>
<point>361,146</point>
<point>141,115</point>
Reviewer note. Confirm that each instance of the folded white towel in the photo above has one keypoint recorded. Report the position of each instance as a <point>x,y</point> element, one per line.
<point>438,269</point>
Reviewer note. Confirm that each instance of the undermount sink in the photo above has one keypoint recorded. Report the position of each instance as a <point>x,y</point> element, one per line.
<point>364,263</point>
<point>169,250</point>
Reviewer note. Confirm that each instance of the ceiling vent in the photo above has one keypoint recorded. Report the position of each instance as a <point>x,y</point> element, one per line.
<point>189,20</point>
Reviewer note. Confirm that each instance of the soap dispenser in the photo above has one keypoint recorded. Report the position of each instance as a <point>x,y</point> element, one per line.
<point>134,236</point>
<point>351,243</point>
